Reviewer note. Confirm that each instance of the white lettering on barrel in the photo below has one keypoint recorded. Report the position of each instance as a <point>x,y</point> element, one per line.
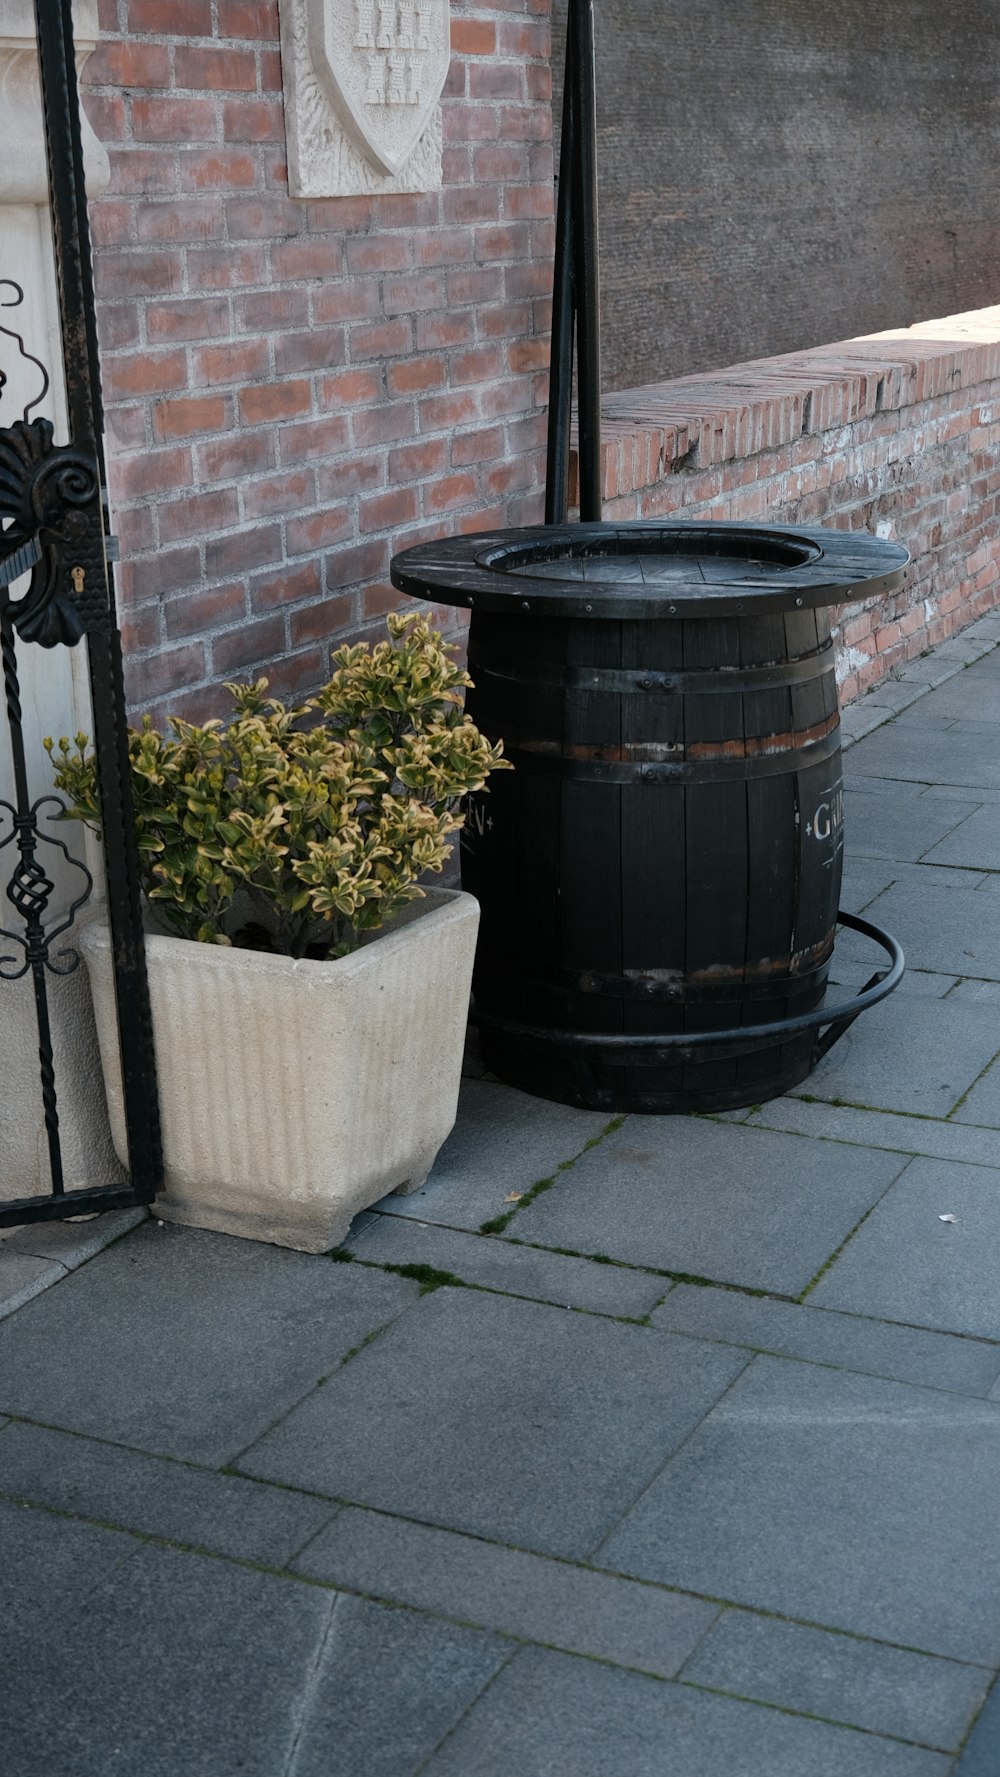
<point>828,816</point>
<point>477,820</point>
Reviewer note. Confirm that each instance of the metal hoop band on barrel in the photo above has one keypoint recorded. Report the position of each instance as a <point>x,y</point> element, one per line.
<point>681,1045</point>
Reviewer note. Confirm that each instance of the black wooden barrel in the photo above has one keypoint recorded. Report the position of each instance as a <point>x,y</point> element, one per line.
<point>665,858</point>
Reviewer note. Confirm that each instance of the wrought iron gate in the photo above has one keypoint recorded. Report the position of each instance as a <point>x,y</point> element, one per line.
<point>54,523</point>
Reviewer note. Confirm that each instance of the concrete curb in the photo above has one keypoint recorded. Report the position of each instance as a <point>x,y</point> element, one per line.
<point>38,1254</point>
<point>897,693</point>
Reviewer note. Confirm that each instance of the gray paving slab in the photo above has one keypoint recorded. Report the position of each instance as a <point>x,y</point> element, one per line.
<point>951,793</point>
<point>863,880</point>
<point>222,1513</point>
<point>985,629</point>
<point>906,1264</point>
<point>850,1342</point>
<point>951,878</point>
<point>503,1141</point>
<point>886,1690</point>
<point>976,993</point>
<point>72,1243</point>
<point>507,1419</point>
<point>215,1336</point>
<point>858,720</point>
<point>979,1756</point>
<point>866,782</point>
<point>880,1129</point>
<point>916,983</point>
<point>49,1568</point>
<point>943,663</point>
<point>880,824</point>
<point>976,640</point>
<point>961,702</point>
<point>717,1200</point>
<point>842,1500</point>
<point>910,1054</point>
<point>867,878</point>
<point>501,1265</point>
<point>550,1715</point>
<point>982,1106</point>
<point>903,876</point>
<point>974,843</point>
<point>529,1596</point>
<point>177,1663</point>
<point>389,1686</point>
<point>968,644</point>
<point>973,692</point>
<point>23,1277</point>
<point>936,716</point>
<point>962,755</point>
<point>891,694</point>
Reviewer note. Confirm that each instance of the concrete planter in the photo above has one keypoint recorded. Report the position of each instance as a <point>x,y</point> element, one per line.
<point>295,1093</point>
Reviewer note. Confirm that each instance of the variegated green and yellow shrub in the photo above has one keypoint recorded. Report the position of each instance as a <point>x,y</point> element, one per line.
<point>322,817</point>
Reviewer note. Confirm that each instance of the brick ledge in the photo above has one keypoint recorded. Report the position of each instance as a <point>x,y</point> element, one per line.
<point>698,422</point>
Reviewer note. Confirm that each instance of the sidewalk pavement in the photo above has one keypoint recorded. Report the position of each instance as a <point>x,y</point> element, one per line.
<point>629,1447</point>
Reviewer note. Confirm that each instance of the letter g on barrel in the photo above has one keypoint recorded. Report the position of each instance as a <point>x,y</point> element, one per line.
<point>828,816</point>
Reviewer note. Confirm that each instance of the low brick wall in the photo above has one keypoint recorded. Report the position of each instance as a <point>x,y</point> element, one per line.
<point>893,433</point>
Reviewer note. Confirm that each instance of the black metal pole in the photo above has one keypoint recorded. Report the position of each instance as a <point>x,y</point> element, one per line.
<point>576,282</point>
<point>64,146</point>
<point>71,236</point>
<point>585,254</point>
<point>563,306</point>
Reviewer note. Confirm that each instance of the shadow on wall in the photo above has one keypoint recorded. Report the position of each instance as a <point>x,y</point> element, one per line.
<point>775,174</point>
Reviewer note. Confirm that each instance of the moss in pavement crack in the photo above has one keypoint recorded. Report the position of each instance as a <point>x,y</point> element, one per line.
<point>828,1264</point>
<point>498,1223</point>
<point>428,1277</point>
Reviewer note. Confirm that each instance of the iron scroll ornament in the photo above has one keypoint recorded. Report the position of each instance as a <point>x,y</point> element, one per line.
<point>29,891</point>
<point>50,496</point>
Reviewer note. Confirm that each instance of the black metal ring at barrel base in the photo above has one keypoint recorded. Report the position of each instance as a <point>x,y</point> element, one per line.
<point>716,1044</point>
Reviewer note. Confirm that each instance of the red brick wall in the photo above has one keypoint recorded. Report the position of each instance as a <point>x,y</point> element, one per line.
<point>295,390</point>
<point>895,433</point>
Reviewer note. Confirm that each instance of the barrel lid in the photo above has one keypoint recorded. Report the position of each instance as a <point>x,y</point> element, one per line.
<point>651,568</point>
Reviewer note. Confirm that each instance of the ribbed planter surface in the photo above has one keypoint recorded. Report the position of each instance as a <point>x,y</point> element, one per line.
<point>295,1093</point>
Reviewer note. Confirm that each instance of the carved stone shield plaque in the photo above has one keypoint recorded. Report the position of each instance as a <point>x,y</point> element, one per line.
<point>363,80</point>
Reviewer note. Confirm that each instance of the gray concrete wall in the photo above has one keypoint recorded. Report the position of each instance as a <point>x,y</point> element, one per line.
<point>777,173</point>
